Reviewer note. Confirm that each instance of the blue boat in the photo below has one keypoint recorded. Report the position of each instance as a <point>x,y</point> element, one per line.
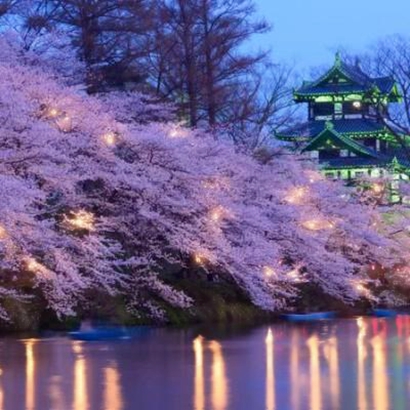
<point>100,334</point>
<point>384,312</point>
<point>309,317</point>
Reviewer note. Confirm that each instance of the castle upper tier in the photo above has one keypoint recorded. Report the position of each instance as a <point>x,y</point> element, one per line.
<point>347,129</point>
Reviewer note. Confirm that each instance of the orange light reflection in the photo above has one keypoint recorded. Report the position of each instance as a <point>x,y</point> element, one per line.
<point>80,401</point>
<point>315,379</point>
<point>219,381</point>
<point>270,371</point>
<point>112,392</point>
<point>30,370</point>
<point>380,380</point>
<point>199,388</point>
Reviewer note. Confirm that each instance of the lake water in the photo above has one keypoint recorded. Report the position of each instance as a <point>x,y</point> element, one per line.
<point>361,363</point>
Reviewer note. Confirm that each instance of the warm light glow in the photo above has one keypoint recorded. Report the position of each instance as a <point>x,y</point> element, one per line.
<point>294,276</point>
<point>317,224</point>
<point>80,401</point>
<point>3,233</point>
<point>52,112</point>
<point>361,362</point>
<point>112,391</point>
<point>268,271</point>
<point>178,132</point>
<point>64,123</point>
<point>110,138</point>
<point>377,188</point>
<point>219,392</point>
<point>361,288</point>
<point>33,265</point>
<point>332,355</point>
<point>380,374</point>
<point>199,388</point>
<point>37,268</point>
<point>30,376</point>
<point>81,220</point>
<point>55,392</point>
<point>1,391</point>
<point>270,371</point>
<point>199,259</point>
<point>357,104</point>
<point>296,195</point>
<point>217,214</point>
<point>315,379</point>
<point>295,369</point>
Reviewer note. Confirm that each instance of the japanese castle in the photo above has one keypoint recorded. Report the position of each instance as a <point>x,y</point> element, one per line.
<point>347,131</point>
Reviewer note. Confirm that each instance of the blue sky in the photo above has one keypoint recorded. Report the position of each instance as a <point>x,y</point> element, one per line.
<point>309,31</point>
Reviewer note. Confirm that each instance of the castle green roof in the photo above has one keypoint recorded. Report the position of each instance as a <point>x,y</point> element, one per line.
<point>350,127</point>
<point>344,79</point>
<point>330,138</point>
<point>386,162</point>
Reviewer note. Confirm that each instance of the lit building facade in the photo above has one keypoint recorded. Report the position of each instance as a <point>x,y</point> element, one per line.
<point>347,131</point>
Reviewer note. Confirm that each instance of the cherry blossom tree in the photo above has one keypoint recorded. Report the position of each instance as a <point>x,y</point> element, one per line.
<point>96,196</point>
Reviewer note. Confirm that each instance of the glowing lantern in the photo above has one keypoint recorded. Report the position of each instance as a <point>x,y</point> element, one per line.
<point>268,271</point>
<point>218,213</point>
<point>3,233</point>
<point>269,336</point>
<point>377,188</point>
<point>360,287</point>
<point>296,195</point>
<point>199,259</point>
<point>317,225</point>
<point>174,133</point>
<point>357,105</point>
<point>177,132</point>
<point>64,123</point>
<point>110,138</point>
<point>294,276</point>
<point>33,265</point>
<point>52,112</point>
<point>82,220</point>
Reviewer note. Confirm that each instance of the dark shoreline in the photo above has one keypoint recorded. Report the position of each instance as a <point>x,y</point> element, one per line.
<point>219,302</point>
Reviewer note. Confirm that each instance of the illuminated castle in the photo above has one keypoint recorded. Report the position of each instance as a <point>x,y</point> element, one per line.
<point>347,129</point>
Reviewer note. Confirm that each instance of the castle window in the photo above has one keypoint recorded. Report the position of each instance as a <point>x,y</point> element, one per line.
<point>354,109</point>
<point>323,111</point>
<point>369,142</point>
<point>338,110</point>
<point>329,154</point>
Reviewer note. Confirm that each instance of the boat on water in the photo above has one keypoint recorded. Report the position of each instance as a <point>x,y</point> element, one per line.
<point>100,334</point>
<point>309,317</point>
<point>384,312</point>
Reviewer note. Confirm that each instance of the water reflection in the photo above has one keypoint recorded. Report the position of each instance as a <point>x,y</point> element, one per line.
<point>30,369</point>
<point>332,355</point>
<point>219,381</point>
<point>56,393</point>
<point>380,377</point>
<point>315,376</point>
<point>112,391</point>
<point>199,389</point>
<point>361,363</point>
<point>270,372</point>
<point>80,401</point>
